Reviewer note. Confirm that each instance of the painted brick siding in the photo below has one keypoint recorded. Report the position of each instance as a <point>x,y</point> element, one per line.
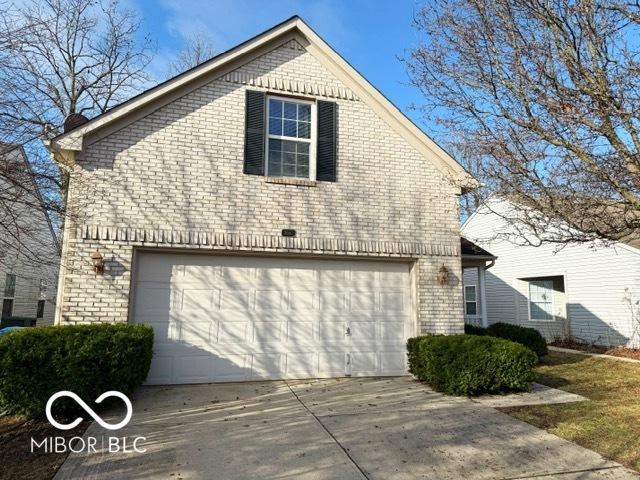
<point>180,168</point>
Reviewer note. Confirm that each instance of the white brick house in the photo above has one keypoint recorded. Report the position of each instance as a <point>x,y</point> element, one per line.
<point>270,213</point>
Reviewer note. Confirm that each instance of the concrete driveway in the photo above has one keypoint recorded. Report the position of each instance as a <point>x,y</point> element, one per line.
<point>390,429</point>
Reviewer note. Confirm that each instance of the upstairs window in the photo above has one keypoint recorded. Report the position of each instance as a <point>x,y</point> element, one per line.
<point>290,137</point>
<point>290,149</point>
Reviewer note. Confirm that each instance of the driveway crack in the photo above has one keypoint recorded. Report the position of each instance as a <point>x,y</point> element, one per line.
<point>346,452</point>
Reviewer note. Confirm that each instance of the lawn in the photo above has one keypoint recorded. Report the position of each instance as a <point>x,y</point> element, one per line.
<point>609,422</point>
<point>15,448</point>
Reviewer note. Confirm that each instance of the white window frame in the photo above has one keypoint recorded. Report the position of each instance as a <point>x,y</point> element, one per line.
<point>10,297</point>
<point>553,306</point>
<point>464,291</point>
<point>311,140</point>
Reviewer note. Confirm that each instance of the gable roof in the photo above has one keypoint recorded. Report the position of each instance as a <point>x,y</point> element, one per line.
<point>5,150</point>
<point>292,28</point>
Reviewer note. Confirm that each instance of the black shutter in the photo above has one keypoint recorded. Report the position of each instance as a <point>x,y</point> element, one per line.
<point>326,148</point>
<point>254,132</point>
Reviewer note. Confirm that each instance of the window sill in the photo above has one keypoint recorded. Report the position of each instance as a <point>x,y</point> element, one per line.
<point>291,181</point>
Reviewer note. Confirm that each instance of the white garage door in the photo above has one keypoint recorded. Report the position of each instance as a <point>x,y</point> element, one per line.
<point>233,318</point>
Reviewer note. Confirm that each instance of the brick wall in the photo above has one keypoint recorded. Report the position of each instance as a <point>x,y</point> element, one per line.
<point>174,179</point>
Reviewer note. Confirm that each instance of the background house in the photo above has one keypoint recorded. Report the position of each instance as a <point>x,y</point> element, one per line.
<point>589,292</point>
<point>29,255</point>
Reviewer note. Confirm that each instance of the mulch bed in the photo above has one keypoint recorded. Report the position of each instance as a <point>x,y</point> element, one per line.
<point>16,459</point>
<point>585,347</point>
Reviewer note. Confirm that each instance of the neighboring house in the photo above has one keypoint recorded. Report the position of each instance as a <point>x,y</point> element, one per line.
<point>29,253</point>
<point>269,213</point>
<point>588,292</point>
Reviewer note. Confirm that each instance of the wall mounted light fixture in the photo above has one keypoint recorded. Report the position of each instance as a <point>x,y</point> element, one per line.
<point>97,260</point>
<point>443,275</point>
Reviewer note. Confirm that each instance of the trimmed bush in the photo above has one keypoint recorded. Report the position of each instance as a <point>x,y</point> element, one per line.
<point>471,364</point>
<point>85,359</point>
<point>529,337</point>
<point>473,330</point>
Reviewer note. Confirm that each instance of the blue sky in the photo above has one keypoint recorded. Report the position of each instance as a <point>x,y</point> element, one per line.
<point>371,35</point>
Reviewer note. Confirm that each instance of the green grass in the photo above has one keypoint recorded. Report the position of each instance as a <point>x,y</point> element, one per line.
<point>609,422</point>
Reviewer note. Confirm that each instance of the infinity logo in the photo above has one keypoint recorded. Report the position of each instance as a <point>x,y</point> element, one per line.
<point>89,410</point>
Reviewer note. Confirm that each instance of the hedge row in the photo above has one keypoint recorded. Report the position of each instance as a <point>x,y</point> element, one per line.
<point>529,337</point>
<point>85,359</point>
<point>471,364</point>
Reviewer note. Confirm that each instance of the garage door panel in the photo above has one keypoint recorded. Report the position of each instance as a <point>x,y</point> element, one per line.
<point>235,299</point>
<point>233,332</point>
<point>393,362</point>
<point>333,332</point>
<point>301,364</point>
<point>266,332</point>
<point>393,332</point>
<point>269,300</point>
<point>302,300</point>
<point>230,318</point>
<point>363,333</point>
<point>301,333</point>
<point>362,301</point>
<point>267,365</point>
<point>231,367</point>
<point>333,363</point>
<point>193,368</point>
<point>364,363</point>
<point>153,298</point>
<point>392,301</point>
<point>332,301</point>
<point>198,333</point>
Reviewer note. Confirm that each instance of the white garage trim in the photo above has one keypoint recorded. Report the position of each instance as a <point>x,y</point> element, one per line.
<point>224,318</point>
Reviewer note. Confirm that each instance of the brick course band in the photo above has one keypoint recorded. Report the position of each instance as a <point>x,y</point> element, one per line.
<point>248,241</point>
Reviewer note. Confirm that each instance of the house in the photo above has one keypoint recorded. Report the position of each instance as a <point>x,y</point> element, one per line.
<point>29,252</point>
<point>587,292</point>
<point>271,215</point>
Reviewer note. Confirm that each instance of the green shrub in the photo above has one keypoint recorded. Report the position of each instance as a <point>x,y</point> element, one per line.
<point>529,337</point>
<point>473,330</point>
<point>471,364</point>
<point>85,359</point>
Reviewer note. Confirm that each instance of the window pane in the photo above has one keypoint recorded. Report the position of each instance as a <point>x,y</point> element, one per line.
<point>9,285</point>
<point>275,126</point>
<point>290,110</point>
<point>289,128</point>
<point>304,112</point>
<point>470,293</point>
<point>275,108</point>
<point>538,312</point>
<point>471,308</point>
<point>304,130</point>
<point>288,158</point>
<point>7,307</point>
<point>289,170</point>
<point>40,309</point>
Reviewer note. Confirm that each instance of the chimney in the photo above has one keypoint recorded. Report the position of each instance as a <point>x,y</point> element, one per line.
<point>74,120</point>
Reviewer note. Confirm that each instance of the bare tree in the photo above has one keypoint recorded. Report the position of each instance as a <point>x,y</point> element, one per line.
<point>542,100</point>
<point>59,57</point>
<point>198,48</point>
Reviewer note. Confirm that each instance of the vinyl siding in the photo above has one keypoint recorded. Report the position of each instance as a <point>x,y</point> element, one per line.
<point>597,280</point>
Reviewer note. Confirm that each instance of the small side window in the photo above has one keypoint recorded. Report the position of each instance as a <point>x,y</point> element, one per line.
<point>40,309</point>
<point>470,300</point>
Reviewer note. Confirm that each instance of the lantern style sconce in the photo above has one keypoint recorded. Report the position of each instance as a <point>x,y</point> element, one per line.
<point>443,275</point>
<point>97,261</point>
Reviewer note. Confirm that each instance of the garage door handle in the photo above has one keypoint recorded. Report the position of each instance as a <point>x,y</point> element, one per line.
<point>349,331</point>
